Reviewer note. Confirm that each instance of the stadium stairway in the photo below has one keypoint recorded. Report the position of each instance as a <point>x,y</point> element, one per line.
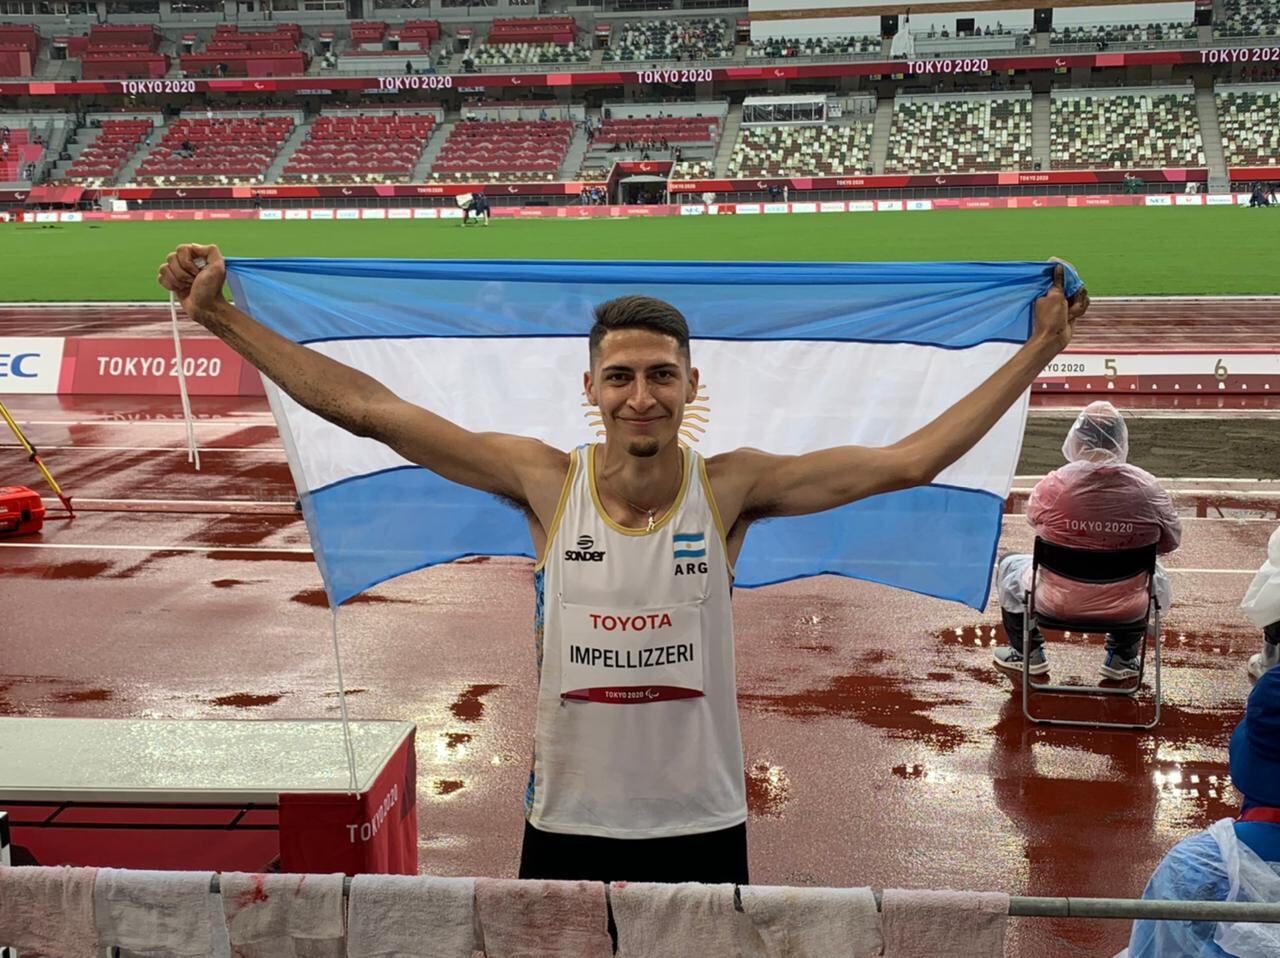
<point>577,153</point>
<point>728,137</point>
<point>85,137</point>
<point>131,165</point>
<point>63,126</point>
<point>880,133</point>
<point>1211,135</point>
<point>439,134</point>
<point>286,151</point>
<point>1041,110</point>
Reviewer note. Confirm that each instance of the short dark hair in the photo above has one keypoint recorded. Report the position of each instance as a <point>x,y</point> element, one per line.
<point>639,312</point>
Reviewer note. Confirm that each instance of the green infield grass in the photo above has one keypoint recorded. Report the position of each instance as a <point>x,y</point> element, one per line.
<point>1119,251</point>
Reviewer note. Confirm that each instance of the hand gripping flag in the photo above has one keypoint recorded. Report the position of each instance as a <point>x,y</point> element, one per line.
<point>794,357</point>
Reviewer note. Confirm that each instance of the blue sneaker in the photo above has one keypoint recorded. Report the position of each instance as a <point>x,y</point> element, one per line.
<point>1116,667</point>
<point>1010,659</point>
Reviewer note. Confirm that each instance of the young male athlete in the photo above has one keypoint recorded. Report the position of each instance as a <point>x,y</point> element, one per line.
<point>638,769</point>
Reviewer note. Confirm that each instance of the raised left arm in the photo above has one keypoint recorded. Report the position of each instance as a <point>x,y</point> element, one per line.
<point>770,485</point>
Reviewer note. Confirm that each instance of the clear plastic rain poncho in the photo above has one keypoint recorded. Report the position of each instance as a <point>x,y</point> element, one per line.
<point>1262,602</point>
<point>1099,501</point>
<point>1214,865</point>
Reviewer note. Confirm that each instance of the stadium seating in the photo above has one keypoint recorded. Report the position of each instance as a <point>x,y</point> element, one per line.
<point>693,170</point>
<point>1248,18</point>
<point>510,54</point>
<point>422,32</point>
<point>100,161</point>
<point>227,150</point>
<point>798,150</point>
<point>653,130</point>
<point>245,53</point>
<point>368,34</point>
<point>1131,130</point>
<point>1250,130</point>
<point>521,150</point>
<point>22,152</point>
<point>698,38</point>
<point>19,48</point>
<point>533,30</point>
<point>813,46</point>
<point>1132,33</point>
<point>117,52</point>
<point>953,136</point>
<point>344,147</point>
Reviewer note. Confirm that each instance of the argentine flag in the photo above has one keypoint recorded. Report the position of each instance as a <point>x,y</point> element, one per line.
<point>794,357</point>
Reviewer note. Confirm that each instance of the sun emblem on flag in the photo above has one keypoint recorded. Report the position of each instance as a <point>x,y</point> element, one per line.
<point>692,427</point>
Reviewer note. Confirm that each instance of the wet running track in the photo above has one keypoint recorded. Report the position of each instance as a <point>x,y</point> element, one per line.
<point>881,746</point>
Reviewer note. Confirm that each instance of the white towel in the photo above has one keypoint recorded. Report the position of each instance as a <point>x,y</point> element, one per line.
<point>284,916</point>
<point>543,919</point>
<point>160,914</point>
<point>813,922</point>
<point>48,911</point>
<point>693,920</point>
<point>403,916</point>
<point>944,924</point>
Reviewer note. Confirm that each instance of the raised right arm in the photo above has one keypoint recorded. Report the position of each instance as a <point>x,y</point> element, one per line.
<point>524,470</point>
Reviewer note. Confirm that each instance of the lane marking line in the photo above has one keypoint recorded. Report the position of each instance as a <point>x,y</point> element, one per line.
<point>248,550</point>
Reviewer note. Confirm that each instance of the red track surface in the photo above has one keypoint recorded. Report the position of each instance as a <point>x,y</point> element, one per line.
<point>881,746</point>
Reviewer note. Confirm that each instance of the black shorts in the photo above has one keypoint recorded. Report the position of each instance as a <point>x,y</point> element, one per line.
<point>709,857</point>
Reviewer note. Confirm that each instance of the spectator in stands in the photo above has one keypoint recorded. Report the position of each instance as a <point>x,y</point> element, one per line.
<point>4,149</point>
<point>1262,605</point>
<point>408,66</point>
<point>1096,501</point>
<point>4,134</point>
<point>1233,859</point>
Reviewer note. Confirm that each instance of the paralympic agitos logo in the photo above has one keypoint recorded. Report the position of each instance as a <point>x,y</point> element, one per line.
<point>584,552</point>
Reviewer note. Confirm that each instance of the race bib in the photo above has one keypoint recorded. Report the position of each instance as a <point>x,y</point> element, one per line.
<point>631,657</point>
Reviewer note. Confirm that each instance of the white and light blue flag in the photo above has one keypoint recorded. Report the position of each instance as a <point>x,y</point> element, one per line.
<point>794,357</point>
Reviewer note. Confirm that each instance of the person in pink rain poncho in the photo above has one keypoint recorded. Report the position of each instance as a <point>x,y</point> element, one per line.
<point>1096,501</point>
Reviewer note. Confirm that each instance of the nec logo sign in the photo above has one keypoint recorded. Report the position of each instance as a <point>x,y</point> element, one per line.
<point>18,365</point>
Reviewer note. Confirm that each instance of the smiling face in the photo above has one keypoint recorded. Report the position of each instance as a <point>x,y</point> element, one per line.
<point>641,380</point>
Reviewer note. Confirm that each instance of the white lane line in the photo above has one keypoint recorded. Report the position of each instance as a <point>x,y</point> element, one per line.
<point>1209,299</point>
<point>105,547</point>
<point>1031,477</point>
<point>91,304</point>
<point>184,503</point>
<point>175,422</point>
<point>1018,515</point>
<point>1214,571</point>
<point>81,447</point>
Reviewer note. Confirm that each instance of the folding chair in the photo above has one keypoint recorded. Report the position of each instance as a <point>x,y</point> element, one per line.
<point>1092,567</point>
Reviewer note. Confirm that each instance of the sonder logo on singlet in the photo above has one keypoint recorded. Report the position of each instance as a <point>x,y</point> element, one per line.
<point>689,546</point>
<point>584,552</point>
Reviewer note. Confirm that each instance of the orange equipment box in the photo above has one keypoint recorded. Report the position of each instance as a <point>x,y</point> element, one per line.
<point>21,511</point>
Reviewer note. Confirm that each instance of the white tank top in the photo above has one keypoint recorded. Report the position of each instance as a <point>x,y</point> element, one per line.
<point>637,730</point>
